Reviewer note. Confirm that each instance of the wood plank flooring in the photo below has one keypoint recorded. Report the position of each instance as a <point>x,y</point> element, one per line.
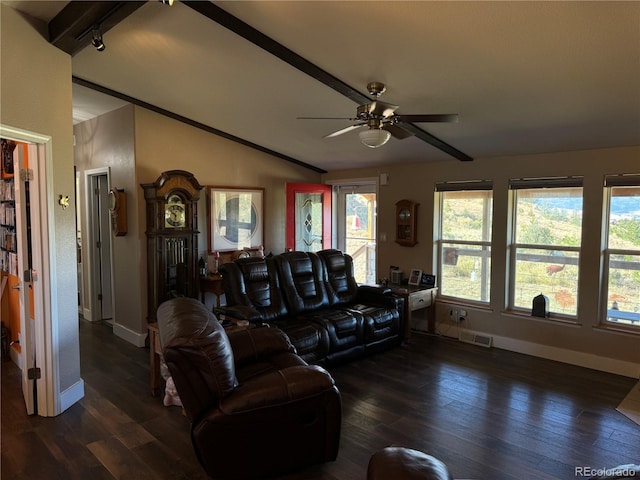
<point>487,413</point>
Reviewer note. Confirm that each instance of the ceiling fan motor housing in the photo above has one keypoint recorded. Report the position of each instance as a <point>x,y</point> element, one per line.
<point>376,88</point>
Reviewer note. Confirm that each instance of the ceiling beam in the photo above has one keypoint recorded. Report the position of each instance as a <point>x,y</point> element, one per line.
<point>174,116</point>
<point>70,30</point>
<point>246,31</point>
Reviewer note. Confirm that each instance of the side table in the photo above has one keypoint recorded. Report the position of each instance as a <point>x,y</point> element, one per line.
<point>416,298</point>
<point>212,283</point>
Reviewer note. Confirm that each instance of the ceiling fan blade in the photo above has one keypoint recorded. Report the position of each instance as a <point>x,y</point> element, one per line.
<point>326,118</point>
<point>448,117</point>
<point>344,130</point>
<point>397,131</point>
<point>381,108</point>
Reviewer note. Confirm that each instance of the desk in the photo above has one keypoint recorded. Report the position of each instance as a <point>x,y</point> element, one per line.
<point>416,298</point>
<point>212,283</point>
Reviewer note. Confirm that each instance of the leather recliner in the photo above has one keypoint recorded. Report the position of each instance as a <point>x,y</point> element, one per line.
<point>256,408</point>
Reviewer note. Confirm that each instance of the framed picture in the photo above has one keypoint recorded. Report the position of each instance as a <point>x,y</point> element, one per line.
<point>415,276</point>
<point>428,280</point>
<point>236,218</point>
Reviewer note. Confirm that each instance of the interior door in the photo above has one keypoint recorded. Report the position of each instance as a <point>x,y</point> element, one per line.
<point>25,284</point>
<point>308,217</point>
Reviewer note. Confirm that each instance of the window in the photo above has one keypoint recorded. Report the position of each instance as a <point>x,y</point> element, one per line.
<point>545,249</point>
<point>464,244</point>
<point>622,252</point>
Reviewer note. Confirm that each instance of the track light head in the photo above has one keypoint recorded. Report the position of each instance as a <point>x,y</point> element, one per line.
<point>96,41</point>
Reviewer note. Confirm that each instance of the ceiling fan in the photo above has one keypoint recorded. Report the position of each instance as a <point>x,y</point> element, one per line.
<point>381,120</point>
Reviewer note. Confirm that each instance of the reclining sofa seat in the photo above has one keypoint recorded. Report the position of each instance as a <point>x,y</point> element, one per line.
<point>315,299</point>
<point>252,289</point>
<point>381,313</point>
<point>256,408</point>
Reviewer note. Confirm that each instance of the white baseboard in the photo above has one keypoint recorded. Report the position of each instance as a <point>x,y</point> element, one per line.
<point>572,357</point>
<point>71,395</point>
<point>137,339</point>
<point>15,357</point>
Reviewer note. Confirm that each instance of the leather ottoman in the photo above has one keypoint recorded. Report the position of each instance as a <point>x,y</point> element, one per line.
<point>400,463</point>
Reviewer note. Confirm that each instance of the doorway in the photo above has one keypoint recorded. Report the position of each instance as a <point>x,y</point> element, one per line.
<point>98,247</point>
<point>357,226</point>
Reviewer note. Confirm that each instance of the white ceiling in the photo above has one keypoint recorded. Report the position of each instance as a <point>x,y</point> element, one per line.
<point>525,77</point>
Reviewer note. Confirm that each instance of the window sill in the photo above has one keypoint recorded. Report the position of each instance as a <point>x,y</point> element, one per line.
<point>620,329</point>
<point>554,320</point>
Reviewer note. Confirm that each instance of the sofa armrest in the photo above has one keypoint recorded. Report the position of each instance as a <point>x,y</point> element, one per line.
<point>277,388</point>
<point>252,344</point>
<point>240,312</point>
<point>380,296</point>
<point>374,289</point>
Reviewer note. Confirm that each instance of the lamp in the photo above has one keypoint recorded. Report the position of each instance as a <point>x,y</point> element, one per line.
<point>374,137</point>
<point>96,41</point>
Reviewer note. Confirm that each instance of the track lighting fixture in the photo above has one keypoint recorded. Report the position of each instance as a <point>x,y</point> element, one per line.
<point>96,41</point>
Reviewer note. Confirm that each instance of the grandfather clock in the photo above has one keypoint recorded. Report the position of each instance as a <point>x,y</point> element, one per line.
<point>172,237</point>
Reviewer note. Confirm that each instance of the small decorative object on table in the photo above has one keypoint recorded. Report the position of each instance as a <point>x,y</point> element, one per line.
<point>415,276</point>
<point>540,306</point>
<point>428,280</point>
<point>216,260</point>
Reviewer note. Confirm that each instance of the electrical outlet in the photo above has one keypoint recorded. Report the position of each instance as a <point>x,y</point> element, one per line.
<point>462,315</point>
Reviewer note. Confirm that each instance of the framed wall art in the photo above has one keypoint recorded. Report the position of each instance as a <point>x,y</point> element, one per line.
<point>236,218</point>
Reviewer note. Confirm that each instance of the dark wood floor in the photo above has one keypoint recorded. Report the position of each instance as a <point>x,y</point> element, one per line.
<point>487,413</point>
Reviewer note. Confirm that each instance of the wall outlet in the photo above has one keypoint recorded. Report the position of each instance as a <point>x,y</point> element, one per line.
<point>458,315</point>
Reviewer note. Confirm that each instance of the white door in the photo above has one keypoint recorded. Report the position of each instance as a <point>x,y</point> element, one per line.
<point>357,227</point>
<point>30,370</point>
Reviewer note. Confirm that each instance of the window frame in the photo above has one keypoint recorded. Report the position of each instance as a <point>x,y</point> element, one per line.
<point>441,243</point>
<point>543,184</point>
<point>611,182</point>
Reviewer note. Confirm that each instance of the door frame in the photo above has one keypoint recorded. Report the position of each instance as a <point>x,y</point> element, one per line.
<point>340,188</point>
<point>93,312</point>
<point>45,328</point>
<point>291,188</point>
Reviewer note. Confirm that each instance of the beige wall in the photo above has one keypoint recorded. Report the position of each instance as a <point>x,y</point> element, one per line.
<point>582,344</point>
<point>165,144</point>
<point>35,95</point>
<point>108,141</point>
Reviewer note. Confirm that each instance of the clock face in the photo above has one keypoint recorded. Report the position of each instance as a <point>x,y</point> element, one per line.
<point>174,212</point>
<point>113,199</point>
<point>404,214</point>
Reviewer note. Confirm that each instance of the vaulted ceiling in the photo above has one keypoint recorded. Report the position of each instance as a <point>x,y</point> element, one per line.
<point>524,77</point>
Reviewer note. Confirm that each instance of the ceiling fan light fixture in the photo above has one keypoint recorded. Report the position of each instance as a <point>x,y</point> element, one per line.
<point>374,137</point>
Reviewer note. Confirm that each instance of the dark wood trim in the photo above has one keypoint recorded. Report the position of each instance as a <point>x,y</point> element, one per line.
<point>193,123</point>
<point>225,19</point>
<point>70,30</point>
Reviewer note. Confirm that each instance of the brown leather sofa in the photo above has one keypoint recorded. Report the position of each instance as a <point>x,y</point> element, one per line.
<point>316,301</point>
<point>256,408</point>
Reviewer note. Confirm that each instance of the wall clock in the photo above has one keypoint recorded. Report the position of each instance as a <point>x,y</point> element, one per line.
<point>118,209</point>
<point>406,223</point>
